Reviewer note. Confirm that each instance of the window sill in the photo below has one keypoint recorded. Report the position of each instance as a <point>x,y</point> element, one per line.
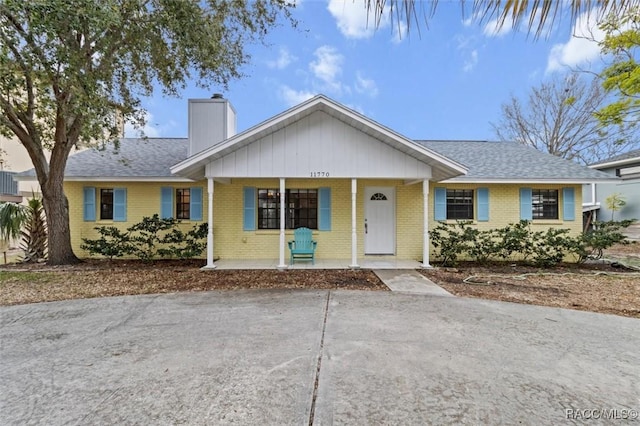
<point>548,222</point>
<point>277,232</point>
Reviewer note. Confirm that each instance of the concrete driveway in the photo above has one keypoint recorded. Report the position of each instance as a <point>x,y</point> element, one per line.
<point>303,357</point>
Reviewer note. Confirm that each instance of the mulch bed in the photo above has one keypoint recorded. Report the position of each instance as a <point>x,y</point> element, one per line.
<point>100,278</point>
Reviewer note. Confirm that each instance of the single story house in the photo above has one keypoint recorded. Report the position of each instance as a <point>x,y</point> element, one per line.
<point>364,189</point>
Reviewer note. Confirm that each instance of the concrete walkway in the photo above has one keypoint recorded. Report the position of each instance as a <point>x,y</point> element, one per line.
<point>312,357</point>
<point>409,281</point>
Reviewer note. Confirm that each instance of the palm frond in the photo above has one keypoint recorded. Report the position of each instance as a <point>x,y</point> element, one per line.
<point>12,218</point>
<point>537,13</point>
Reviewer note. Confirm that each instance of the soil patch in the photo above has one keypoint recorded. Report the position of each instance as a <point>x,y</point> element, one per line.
<point>596,287</point>
<point>20,283</point>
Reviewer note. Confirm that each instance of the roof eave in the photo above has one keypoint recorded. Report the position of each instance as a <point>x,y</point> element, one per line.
<point>528,181</point>
<point>615,163</point>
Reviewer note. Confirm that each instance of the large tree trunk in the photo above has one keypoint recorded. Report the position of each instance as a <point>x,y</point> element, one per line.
<point>56,208</point>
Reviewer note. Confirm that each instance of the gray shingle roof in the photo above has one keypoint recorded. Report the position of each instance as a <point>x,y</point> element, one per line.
<point>626,156</point>
<point>510,161</point>
<point>153,157</point>
<point>135,157</point>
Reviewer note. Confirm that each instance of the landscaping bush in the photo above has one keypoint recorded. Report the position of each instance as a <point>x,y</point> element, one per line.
<point>603,235</point>
<point>452,240</point>
<point>148,239</point>
<point>112,243</point>
<point>517,241</point>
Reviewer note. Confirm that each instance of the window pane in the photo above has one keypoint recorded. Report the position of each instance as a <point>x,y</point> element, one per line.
<point>268,209</point>
<point>106,204</point>
<point>183,203</point>
<point>302,208</point>
<point>545,203</point>
<point>460,204</point>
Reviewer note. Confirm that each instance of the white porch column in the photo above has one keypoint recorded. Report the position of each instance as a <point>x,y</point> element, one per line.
<point>354,235</point>
<point>425,222</point>
<point>210,264</point>
<point>283,207</point>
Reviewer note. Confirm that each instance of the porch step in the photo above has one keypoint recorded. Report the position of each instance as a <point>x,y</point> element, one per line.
<point>409,281</point>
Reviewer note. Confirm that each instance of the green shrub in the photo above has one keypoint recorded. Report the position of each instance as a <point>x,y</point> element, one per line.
<point>514,239</point>
<point>455,240</point>
<point>603,235</point>
<point>112,243</point>
<point>148,239</point>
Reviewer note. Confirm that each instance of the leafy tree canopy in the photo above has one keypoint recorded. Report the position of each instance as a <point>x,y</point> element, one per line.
<point>621,77</point>
<point>67,67</point>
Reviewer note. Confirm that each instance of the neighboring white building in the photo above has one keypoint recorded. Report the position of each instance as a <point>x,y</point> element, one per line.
<point>14,158</point>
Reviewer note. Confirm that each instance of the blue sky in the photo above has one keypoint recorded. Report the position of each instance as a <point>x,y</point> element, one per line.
<point>448,82</point>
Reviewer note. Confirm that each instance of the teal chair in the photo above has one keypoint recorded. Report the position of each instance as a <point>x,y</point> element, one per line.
<point>302,246</point>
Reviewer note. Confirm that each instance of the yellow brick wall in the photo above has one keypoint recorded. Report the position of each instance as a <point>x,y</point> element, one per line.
<point>143,199</point>
<point>504,205</point>
<point>231,242</point>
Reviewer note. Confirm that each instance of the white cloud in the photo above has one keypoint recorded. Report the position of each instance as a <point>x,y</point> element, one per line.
<point>400,32</point>
<point>471,62</point>
<point>493,29</point>
<point>353,19</point>
<point>283,60</point>
<point>581,48</point>
<point>328,67</point>
<point>366,85</point>
<point>293,97</point>
<point>150,129</point>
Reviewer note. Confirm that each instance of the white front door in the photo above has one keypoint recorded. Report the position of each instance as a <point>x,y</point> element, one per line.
<point>379,220</point>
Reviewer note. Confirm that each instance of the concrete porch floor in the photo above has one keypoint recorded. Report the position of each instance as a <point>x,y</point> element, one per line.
<point>369,262</point>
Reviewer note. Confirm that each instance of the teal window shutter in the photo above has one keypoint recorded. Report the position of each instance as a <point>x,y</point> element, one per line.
<point>483,204</point>
<point>195,207</point>
<point>119,204</point>
<point>166,202</point>
<point>324,206</point>
<point>568,204</point>
<point>89,204</point>
<point>440,204</point>
<point>249,218</point>
<point>526,204</point>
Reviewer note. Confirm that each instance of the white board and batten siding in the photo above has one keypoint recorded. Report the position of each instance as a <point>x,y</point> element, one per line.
<point>318,145</point>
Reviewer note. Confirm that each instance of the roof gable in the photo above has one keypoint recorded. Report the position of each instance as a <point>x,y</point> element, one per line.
<point>319,115</point>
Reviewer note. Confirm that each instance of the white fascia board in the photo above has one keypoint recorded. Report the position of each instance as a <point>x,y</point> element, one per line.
<point>530,181</point>
<point>127,179</point>
<point>615,163</point>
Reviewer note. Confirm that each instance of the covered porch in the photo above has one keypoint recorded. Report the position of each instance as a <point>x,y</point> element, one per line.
<point>355,166</point>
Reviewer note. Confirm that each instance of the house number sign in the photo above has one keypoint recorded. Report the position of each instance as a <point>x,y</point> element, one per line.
<point>319,174</point>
